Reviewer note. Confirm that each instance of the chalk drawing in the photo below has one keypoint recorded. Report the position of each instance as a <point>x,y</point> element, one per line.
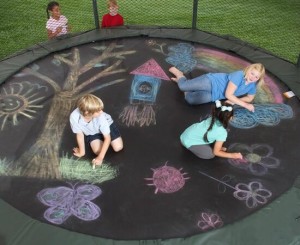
<point>144,89</point>
<point>181,56</point>
<point>225,179</point>
<point>209,221</point>
<point>253,193</point>
<point>265,114</point>
<point>152,69</point>
<point>65,202</point>
<point>157,47</point>
<point>19,99</point>
<point>257,158</point>
<point>57,62</point>
<point>167,179</point>
<point>142,97</point>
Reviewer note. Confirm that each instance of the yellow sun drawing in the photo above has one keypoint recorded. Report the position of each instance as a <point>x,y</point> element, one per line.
<point>19,99</point>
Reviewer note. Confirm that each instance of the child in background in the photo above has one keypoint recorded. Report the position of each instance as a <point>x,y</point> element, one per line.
<point>199,137</point>
<point>112,18</point>
<point>57,24</point>
<point>92,125</point>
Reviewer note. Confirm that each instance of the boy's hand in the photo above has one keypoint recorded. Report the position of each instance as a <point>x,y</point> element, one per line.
<point>76,152</point>
<point>97,161</point>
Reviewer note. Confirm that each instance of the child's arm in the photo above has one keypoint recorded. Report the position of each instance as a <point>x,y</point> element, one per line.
<point>69,28</point>
<point>80,150</point>
<point>219,151</point>
<point>99,159</point>
<point>54,34</point>
<point>105,22</point>
<point>229,94</point>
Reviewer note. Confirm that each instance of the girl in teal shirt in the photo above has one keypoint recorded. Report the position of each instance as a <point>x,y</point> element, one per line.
<point>200,137</point>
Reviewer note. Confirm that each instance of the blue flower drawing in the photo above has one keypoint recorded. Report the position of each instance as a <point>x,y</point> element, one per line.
<point>181,56</point>
<point>264,114</point>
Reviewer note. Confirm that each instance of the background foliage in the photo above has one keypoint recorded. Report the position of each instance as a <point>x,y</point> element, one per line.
<point>270,24</point>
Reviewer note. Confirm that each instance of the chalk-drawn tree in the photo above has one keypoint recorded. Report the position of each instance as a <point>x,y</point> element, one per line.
<point>41,160</point>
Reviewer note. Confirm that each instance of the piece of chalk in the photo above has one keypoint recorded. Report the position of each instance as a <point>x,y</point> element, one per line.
<point>289,94</point>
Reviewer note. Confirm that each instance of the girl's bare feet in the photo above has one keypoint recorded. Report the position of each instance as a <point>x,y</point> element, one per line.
<point>177,73</point>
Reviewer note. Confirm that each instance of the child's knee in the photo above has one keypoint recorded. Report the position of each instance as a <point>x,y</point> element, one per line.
<point>117,144</point>
<point>190,100</point>
<point>118,148</point>
<point>209,157</point>
<point>96,152</point>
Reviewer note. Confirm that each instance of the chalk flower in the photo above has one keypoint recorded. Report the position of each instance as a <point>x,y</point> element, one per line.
<point>209,221</point>
<point>253,193</point>
<point>257,158</point>
<point>151,42</point>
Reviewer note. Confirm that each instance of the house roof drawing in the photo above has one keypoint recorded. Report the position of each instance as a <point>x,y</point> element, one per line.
<point>151,68</point>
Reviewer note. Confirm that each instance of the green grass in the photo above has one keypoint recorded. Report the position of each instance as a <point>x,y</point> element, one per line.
<point>6,168</point>
<point>78,169</point>
<point>271,25</point>
<point>70,169</point>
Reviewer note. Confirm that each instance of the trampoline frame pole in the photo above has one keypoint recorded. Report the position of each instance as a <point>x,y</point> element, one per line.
<point>195,10</point>
<point>96,16</point>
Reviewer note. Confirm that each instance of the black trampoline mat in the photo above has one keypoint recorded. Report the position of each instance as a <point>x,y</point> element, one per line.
<point>154,188</point>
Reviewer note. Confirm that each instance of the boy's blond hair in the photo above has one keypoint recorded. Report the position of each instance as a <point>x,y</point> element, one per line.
<point>112,2</point>
<point>260,68</point>
<point>89,104</point>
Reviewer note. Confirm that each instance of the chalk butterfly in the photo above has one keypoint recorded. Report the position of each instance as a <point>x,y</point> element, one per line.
<point>64,202</point>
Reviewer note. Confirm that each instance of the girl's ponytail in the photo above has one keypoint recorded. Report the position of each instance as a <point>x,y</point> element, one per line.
<point>48,15</point>
<point>221,113</point>
<point>212,122</point>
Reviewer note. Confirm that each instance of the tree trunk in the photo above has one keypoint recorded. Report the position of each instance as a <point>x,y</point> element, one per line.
<point>41,160</point>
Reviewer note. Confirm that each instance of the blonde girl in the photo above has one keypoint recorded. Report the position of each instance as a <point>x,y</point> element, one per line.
<point>238,87</point>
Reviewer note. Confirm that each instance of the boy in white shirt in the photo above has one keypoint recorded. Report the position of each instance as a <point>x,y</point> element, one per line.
<point>92,125</point>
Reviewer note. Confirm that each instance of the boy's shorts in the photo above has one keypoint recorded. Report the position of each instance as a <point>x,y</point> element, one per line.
<point>114,134</point>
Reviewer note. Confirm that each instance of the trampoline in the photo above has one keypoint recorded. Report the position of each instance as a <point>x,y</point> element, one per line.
<point>154,190</point>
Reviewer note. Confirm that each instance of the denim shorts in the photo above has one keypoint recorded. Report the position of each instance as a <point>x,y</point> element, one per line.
<point>114,134</point>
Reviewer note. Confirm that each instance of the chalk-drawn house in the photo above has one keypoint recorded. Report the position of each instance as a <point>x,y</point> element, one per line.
<point>144,89</point>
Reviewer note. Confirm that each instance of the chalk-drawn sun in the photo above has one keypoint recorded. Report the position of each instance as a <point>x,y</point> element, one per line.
<point>19,99</point>
<point>167,179</point>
